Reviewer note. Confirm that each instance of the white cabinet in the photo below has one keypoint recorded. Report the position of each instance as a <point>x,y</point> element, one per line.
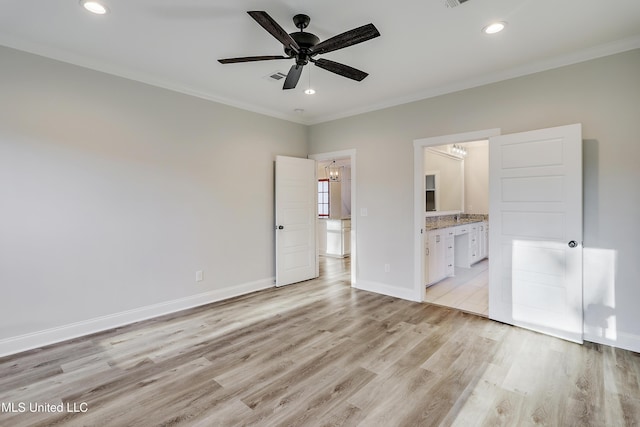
<point>346,237</point>
<point>462,245</point>
<point>436,255</point>
<point>338,237</point>
<point>439,252</point>
<point>449,256</point>
<point>471,244</point>
<point>483,240</point>
<point>450,247</point>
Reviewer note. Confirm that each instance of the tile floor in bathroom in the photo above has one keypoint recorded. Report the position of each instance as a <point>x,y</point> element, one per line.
<point>468,290</point>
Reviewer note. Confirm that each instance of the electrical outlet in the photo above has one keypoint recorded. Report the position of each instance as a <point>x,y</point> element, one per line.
<point>199,276</point>
<point>387,268</point>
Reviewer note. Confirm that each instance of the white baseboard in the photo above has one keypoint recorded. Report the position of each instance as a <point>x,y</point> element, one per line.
<point>45,337</point>
<point>38,339</point>
<point>392,291</point>
<point>623,340</point>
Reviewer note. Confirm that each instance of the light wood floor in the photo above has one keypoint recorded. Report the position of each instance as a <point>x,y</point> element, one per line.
<point>322,354</point>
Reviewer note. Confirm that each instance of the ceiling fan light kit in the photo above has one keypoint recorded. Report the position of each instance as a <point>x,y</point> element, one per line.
<point>494,27</point>
<point>94,6</point>
<point>304,46</point>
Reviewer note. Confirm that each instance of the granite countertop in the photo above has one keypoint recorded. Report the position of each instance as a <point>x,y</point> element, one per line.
<point>449,222</point>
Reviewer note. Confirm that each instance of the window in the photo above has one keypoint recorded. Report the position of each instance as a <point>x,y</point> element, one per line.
<point>323,198</point>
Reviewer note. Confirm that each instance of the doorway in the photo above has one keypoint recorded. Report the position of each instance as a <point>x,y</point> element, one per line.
<point>456,226</point>
<point>343,239</point>
<point>535,190</point>
<point>445,207</point>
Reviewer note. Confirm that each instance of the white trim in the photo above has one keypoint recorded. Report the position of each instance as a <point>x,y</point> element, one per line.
<point>45,337</point>
<point>381,288</point>
<point>418,196</point>
<point>587,54</point>
<point>623,340</point>
<point>583,55</point>
<point>351,154</point>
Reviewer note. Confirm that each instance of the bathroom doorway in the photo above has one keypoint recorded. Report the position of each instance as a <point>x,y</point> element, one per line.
<point>453,233</point>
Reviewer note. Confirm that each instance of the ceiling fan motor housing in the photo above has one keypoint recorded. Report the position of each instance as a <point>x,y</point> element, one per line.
<point>304,40</point>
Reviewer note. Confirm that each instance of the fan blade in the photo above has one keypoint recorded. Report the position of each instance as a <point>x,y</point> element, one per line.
<point>355,36</point>
<point>292,78</point>
<point>269,24</point>
<point>341,69</point>
<point>251,59</point>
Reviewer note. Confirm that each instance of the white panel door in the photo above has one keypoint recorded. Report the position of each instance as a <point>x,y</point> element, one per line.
<point>296,206</point>
<point>535,232</point>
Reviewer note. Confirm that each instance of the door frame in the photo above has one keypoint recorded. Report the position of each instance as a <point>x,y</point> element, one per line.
<point>351,155</point>
<point>419,145</point>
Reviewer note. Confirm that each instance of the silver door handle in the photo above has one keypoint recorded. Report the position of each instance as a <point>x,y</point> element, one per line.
<point>573,244</point>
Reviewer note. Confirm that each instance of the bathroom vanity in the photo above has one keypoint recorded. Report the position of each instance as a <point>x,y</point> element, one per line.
<point>451,243</point>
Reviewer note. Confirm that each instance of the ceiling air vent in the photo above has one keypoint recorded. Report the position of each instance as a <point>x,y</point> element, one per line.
<point>454,3</point>
<point>276,76</point>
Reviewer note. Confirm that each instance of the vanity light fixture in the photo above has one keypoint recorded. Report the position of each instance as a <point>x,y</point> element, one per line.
<point>494,27</point>
<point>94,6</point>
<point>459,150</point>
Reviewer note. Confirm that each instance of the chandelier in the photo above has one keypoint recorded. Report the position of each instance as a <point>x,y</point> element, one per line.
<point>334,172</point>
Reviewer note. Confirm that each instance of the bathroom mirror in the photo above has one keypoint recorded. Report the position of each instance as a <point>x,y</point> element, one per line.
<point>444,181</point>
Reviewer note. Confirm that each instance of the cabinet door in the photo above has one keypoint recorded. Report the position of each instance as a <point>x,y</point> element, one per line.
<point>482,241</point>
<point>449,254</point>
<point>346,240</point>
<point>473,244</point>
<point>436,256</point>
<point>427,257</point>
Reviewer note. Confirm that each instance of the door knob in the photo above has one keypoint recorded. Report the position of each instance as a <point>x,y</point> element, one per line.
<point>280,227</point>
<point>573,244</point>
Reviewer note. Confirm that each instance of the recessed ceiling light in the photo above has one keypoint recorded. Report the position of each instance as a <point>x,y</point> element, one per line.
<point>309,91</point>
<point>495,27</point>
<point>94,7</point>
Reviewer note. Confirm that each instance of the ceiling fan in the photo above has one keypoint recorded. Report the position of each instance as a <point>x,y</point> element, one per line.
<point>303,47</point>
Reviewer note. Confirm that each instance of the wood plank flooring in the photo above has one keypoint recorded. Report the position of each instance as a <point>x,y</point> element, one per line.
<point>320,353</point>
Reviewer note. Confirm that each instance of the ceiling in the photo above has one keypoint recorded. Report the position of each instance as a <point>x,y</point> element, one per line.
<point>425,48</point>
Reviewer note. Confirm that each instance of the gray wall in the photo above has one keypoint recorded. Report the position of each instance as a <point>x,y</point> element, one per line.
<point>114,193</point>
<point>602,94</point>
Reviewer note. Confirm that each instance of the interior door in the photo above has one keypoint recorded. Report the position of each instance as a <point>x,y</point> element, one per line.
<point>295,220</point>
<point>535,214</point>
